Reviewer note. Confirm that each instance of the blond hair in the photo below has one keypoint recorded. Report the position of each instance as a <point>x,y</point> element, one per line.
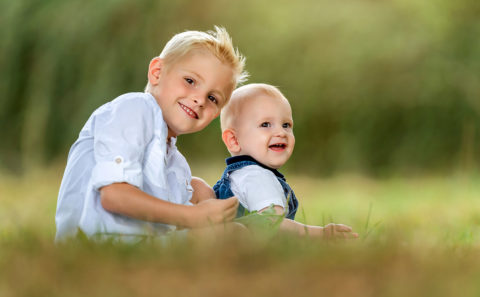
<point>240,97</point>
<point>216,42</point>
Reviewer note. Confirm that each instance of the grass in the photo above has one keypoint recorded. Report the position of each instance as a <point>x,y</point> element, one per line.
<point>418,237</point>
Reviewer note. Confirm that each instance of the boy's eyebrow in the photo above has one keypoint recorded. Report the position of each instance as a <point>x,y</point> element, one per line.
<point>197,74</point>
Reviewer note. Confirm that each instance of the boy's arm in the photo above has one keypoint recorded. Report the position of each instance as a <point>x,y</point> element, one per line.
<point>330,231</point>
<point>125,199</point>
<point>201,190</point>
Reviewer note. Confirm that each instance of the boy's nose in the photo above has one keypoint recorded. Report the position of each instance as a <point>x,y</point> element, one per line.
<point>199,100</point>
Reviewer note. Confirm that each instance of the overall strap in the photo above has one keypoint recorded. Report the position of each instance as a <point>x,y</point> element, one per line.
<point>223,188</point>
<point>223,191</point>
<point>292,202</point>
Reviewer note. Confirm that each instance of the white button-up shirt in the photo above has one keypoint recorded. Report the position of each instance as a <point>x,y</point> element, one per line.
<point>124,140</point>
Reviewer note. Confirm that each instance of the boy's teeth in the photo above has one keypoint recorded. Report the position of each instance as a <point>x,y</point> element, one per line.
<point>189,111</point>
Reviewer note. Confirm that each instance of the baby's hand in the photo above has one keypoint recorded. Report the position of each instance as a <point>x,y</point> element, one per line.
<point>334,231</point>
<point>213,211</point>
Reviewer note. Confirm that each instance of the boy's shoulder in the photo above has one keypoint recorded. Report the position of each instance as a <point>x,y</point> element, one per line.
<point>134,98</point>
<point>131,102</point>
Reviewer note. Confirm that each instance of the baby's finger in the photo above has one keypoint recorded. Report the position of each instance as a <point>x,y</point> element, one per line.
<point>342,228</point>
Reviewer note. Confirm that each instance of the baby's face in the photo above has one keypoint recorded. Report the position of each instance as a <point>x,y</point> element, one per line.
<point>192,92</point>
<point>264,130</point>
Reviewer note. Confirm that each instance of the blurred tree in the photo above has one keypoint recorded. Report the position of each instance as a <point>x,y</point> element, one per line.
<point>381,87</point>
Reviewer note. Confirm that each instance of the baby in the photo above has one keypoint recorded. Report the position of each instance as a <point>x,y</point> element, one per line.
<point>257,129</point>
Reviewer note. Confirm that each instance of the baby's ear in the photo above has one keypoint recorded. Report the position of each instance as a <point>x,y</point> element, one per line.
<point>230,140</point>
<point>154,70</point>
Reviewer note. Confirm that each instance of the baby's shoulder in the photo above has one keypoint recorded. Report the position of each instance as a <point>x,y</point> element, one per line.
<point>253,173</point>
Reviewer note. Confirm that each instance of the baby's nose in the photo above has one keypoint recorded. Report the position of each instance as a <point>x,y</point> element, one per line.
<point>280,131</point>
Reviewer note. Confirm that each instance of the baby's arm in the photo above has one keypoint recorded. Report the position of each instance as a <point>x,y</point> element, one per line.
<point>125,199</point>
<point>330,231</point>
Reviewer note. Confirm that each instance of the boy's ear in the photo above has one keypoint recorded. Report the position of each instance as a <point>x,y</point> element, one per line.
<point>231,141</point>
<point>155,70</point>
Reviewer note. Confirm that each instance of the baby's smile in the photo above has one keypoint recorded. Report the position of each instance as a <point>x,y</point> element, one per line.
<point>278,146</point>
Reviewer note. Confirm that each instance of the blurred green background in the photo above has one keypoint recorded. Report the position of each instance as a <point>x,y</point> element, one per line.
<point>377,87</point>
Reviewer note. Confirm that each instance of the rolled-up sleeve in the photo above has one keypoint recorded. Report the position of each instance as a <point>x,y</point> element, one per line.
<point>122,131</point>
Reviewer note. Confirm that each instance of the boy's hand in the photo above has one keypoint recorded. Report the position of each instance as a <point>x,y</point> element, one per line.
<point>212,211</point>
<point>201,190</point>
<point>335,231</point>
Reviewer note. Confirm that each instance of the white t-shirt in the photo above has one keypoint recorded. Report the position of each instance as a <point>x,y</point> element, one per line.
<point>256,188</point>
<point>122,141</point>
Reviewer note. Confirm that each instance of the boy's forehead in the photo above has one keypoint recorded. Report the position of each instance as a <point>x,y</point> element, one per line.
<point>208,68</point>
<point>195,55</point>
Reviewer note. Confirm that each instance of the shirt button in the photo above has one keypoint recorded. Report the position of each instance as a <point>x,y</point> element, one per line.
<point>118,160</point>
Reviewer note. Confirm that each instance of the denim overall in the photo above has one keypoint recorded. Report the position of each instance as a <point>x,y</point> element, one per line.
<point>223,191</point>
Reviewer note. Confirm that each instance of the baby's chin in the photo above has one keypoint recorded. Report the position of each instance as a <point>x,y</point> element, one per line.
<point>274,165</point>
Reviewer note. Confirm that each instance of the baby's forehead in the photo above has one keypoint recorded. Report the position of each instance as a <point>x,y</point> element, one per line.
<point>253,98</point>
<point>261,107</point>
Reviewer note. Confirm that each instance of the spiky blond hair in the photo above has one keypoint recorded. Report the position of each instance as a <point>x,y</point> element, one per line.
<point>217,42</point>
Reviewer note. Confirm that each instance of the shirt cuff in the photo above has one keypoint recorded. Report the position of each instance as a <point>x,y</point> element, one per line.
<point>116,171</point>
<point>266,203</point>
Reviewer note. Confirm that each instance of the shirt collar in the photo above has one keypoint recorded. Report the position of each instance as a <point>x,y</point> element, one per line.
<point>241,158</point>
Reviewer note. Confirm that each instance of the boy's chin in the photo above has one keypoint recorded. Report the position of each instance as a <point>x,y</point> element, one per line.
<point>172,131</point>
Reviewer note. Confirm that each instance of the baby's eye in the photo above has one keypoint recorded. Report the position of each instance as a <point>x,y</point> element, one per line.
<point>265,125</point>
<point>189,81</point>
<point>287,125</point>
<point>213,99</point>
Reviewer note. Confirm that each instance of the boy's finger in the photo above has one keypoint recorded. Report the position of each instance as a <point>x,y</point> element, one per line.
<point>230,213</point>
<point>228,216</point>
<point>232,201</point>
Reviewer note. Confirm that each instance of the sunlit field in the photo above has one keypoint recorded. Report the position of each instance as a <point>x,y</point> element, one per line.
<point>418,237</point>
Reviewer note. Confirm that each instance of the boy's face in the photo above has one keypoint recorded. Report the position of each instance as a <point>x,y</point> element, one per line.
<point>264,130</point>
<point>192,91</point>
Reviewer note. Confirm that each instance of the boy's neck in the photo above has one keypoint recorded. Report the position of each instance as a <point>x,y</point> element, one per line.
<point>170,135</point>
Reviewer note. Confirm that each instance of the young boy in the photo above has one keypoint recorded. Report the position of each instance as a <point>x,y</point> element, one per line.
<point>124,176</point>
<point>257,128</point>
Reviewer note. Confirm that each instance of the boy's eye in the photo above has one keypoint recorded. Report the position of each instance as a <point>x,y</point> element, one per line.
<point>189,81</point>
<point>287,125</point>
<point>265,125</point>
<point>213,99</point>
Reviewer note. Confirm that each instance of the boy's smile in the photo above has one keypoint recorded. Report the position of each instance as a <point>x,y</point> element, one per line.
<point>264,130</point>
<point>189,112</point>
<point>191,91</point>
